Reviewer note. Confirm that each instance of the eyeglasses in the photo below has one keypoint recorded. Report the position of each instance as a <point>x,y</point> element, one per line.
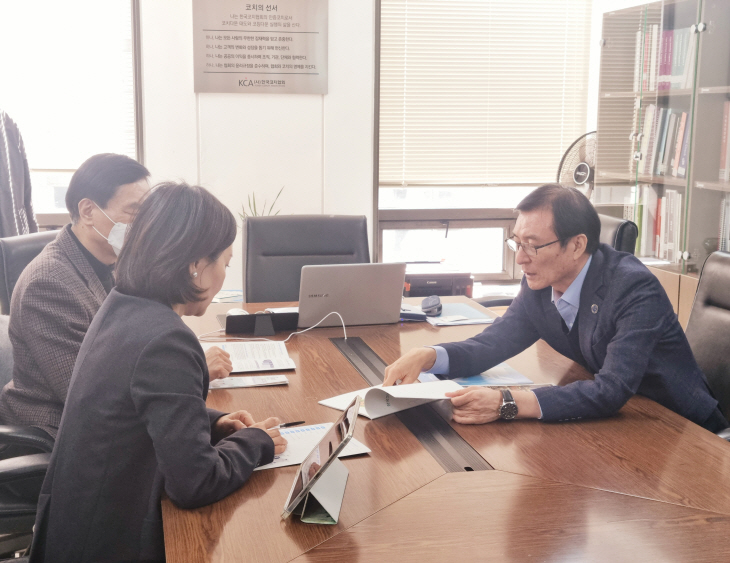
<point>530,249</point>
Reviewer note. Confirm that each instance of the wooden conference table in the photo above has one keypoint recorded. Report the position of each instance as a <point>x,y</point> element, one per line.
<point>644,485</point>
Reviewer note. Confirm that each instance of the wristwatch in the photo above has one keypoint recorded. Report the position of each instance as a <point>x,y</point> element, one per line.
<point>508,409</point>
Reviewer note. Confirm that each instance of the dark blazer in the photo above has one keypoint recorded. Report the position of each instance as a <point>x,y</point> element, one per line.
<point>629,337</point>
<point>53,303</point>
<point>135,425</point>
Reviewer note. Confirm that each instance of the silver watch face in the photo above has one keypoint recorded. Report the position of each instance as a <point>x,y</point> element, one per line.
<point>508,411</point>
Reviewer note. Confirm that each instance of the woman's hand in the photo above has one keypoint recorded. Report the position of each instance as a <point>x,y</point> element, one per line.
<point>219,363</point>
<point>279,440</point>
<point>230,423</point>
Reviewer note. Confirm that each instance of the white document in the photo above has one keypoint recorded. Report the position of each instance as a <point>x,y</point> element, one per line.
<point>249,381</point>
<point>277,310</point>
<point>255,356</point>
<point>302,440</point>
<point>457,320</point>
<point>380,401</point>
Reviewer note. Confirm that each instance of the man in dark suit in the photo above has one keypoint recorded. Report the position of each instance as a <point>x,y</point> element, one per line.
<point>597,306</point>
<point>60,291</point>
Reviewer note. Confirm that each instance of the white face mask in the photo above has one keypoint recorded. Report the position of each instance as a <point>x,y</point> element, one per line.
<point>116,235</point>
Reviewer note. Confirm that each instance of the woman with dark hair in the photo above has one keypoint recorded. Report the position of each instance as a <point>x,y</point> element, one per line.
<point>135,422</point>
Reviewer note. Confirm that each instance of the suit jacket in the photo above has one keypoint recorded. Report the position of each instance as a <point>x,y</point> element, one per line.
<point>629,337</point>
<point>16,205</point>
<point>52,306</point>
<point>135,425</point>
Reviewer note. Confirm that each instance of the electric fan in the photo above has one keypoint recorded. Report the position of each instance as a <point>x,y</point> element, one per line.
<point>576,166</point>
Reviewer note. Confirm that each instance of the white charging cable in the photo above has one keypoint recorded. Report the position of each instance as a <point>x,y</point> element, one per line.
<point>207,337</point>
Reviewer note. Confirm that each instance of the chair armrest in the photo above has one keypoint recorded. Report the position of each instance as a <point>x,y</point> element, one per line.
<point>724,434</point>
<point>26,436</point>
<point>23,467</point>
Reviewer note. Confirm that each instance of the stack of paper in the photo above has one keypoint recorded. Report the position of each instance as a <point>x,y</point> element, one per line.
<point>380,401</point>
<point>255,356</point>
<point>301,440</point>
<point>455,314</point>
<point>249,381</point>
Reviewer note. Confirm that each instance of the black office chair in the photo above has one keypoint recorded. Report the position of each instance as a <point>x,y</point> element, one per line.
<point>619,233</point>
<point>24,456</point>
<point>276,248</point>
<point>15,254</point>
<point>708,329</point>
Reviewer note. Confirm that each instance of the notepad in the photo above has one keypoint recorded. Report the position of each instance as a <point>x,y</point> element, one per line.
<point>301,440</point>
<point>255,356</point>
<point>381,401</point>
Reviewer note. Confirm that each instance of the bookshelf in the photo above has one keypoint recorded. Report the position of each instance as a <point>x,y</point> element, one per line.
<point>663,135</point>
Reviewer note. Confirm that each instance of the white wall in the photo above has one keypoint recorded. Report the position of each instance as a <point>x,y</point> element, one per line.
<point>320,148</point>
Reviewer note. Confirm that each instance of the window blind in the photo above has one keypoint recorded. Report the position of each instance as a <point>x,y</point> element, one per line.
<point>66,78</point>
<point>480,91</point>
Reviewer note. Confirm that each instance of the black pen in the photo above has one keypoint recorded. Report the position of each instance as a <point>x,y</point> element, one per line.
<point>288,424</point>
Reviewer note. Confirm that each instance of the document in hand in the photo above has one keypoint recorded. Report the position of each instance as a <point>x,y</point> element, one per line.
<point>255,356</point>
<point>380,401</point>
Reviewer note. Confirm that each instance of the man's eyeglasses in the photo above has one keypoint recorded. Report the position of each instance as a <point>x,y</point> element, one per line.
<point>530,249</point>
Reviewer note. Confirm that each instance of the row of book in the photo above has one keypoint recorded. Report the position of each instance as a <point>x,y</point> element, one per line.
<point>665,59</point>
<point>659,220</point>
<point>665,142</point>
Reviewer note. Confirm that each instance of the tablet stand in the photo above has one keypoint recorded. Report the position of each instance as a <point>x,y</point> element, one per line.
<point>323,503</point>
<point>263,326</point>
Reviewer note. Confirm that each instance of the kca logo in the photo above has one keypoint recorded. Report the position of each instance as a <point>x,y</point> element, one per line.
<point>319,295</point>
<point>245,82</point>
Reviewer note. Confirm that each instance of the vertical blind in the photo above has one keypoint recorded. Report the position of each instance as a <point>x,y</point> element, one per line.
<point>480,91</point>
<point>66,78</point>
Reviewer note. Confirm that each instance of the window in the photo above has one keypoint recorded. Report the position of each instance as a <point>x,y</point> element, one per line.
<point>477,103</point>
<point>68,81</point>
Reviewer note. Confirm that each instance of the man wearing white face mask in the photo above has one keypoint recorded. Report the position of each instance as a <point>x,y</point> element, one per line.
<point>60,291</point>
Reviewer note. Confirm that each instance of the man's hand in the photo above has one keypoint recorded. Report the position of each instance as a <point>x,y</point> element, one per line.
<point>230,423</point>
<point>279,440</point>
<point>409,366</point>
<point>479,405</point>
<point>475,405</point>
<point>219,363</point>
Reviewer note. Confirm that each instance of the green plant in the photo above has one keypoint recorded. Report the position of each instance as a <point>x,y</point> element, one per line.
<point>253,210</point>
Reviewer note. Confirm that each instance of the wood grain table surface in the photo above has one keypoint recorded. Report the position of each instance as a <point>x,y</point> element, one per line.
<point>499,516</point>
<point>672,476</point>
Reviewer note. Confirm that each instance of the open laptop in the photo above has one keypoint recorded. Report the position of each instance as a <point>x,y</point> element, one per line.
<point>364,294</point>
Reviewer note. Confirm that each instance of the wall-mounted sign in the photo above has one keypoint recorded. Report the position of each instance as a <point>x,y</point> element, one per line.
<point>248,47</point>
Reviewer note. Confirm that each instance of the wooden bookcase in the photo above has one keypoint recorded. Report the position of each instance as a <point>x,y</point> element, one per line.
<point>663,64</point>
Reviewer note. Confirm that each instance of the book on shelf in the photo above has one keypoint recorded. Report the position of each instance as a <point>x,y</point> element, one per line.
<point>646,144</point>
<point>678,144</point>
<point>659,136</point>
<point>665,164</point>
<point>671,213</point>
<point>654,55</point>
<point>648,221</point>
<point>684,155</point>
